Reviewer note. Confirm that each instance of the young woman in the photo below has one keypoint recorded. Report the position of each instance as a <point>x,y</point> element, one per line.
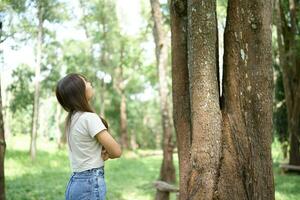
<point>88,139</point>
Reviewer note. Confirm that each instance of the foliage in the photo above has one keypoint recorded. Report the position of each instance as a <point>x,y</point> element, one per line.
<point>280,109</point>
<point>21,88</point>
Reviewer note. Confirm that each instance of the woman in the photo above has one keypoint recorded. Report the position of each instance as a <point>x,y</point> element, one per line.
<point>89,142</point>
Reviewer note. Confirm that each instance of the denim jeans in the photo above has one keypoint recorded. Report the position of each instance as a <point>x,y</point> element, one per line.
<point>87,185</point>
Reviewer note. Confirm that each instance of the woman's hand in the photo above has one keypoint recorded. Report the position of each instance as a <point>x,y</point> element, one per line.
<point>104,154</point>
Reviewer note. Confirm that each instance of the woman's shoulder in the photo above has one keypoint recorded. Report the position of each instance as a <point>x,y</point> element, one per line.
<point>84,115</point>
<point>85,118</point>
<point>89,115</point>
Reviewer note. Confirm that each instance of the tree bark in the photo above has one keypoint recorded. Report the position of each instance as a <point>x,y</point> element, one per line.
<point>37,84</point>
<point>180,90</point>
<point>246,162</point>
<point>228,145</point>
<point>204,99</point>
<point>167,171</point>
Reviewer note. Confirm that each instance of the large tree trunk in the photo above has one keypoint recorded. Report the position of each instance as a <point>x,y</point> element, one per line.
<point>37,84</point>
<point>246,162</point>
<point>167,171</point>
<point>230,156</point>
<point>180,90</point>
<point>291,75</point>
<point>204,99</point>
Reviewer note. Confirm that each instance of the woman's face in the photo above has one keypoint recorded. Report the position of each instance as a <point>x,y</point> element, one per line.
<point>89,91</point>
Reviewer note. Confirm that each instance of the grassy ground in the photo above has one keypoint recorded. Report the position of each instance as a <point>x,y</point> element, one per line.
<point>287,186</point>
<point>128,178</point>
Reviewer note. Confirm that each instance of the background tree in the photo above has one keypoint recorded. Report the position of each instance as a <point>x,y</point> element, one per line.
<point>286,16</point>
<point>2,135</point>
<point>40,15</point>
<point>280,112</point>
<point>2,149</point>
<point>167,171</point>
<point>49,12</point>
<point>6,8</point>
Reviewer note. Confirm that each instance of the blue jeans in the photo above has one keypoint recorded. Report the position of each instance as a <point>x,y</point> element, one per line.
<point>87,185</point>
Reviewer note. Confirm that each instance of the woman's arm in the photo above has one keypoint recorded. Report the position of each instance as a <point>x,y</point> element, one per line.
<point>113,149</point>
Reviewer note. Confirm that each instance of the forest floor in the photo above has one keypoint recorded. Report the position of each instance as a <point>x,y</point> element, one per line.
<point>127,178</point>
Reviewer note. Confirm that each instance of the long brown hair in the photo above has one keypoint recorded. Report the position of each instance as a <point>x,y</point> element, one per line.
<point>70,93</point>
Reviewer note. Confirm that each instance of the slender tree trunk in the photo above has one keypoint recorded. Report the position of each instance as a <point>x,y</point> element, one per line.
<point>123,122</point>
<point>291,75</point>
<point>294,111</point>
<point>246,162</point>
<point>120,86</point>
<point>133,143</point>
<point>180,90</point>
<point>37,84</point>
<point>2,151</point>
<point>167,171</point>
<point>2,139</point>
<point>61,139</point>
<point>102,99</point>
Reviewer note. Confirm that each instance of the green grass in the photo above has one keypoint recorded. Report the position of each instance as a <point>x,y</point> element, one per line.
<point>287,186</point>
<point>128,178</point>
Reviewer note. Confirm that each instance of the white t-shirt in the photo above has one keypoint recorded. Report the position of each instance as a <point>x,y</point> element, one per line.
<point>84,148</point>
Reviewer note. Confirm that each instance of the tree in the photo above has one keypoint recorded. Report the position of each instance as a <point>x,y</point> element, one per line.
<point>180,91</point>
<point>2,138</point>
<point>40,16</point>
<point>247,101</point>
<point>289,62</point>
<point>167,171</point>
<point>20,7</point>
<point>227,152</point>
<point>280,118</point>
<point>45,11</point>
<point>2,152</point>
